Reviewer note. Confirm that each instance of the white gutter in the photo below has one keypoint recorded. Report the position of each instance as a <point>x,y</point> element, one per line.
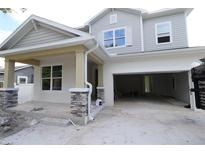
<point>90,87</point>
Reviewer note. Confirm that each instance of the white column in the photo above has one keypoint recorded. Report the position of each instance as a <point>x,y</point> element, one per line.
<point>191,94</point>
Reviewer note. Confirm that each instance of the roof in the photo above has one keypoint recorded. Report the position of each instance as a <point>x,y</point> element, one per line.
<point>17,68</point>
<point>145,14</point>
<point>165,12</point>
<point>105,11</point>
<point>30,23</point>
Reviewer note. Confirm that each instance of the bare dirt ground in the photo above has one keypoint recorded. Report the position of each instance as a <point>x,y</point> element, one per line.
<point>139,121</point>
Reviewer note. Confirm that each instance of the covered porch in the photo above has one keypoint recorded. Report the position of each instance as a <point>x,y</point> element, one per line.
<point>65,60</point>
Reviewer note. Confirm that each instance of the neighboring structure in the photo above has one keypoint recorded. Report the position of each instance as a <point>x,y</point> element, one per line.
<point>23,75</point>
<point>121,52</point>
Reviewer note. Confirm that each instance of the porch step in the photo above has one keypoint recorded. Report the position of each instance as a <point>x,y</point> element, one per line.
<point>55,121</point>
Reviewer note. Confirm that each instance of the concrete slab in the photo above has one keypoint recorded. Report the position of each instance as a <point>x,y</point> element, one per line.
<point>43,109</point>
<point>139,121</point>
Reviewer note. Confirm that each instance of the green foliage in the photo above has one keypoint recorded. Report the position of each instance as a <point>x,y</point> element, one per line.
<point>9,10</point>
<point>6,10</point>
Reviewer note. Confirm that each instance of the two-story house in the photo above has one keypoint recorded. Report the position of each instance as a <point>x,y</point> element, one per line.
<point>121,52</point>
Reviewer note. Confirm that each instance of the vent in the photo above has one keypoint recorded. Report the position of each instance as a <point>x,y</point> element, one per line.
<point>113,18</point>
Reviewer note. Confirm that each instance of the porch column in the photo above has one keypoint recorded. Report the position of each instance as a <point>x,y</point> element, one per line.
<point>80,69</point>
<point>8,95</point>
<point>9,73</point>
<point>79,94</point>
<point>191,94</point>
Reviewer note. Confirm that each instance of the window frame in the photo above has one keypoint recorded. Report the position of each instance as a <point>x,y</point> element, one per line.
<point>170,32</point>
<point>114,42</point>
<point>24,77</point>
<point>51,77</point>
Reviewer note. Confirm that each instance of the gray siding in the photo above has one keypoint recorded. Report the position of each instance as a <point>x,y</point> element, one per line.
<point>123,20</point>
<point>29,72</point>
<point>179,35</point>
<point>41,36</point>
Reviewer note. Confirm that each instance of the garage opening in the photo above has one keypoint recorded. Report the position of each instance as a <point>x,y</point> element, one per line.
<point>173,86</point>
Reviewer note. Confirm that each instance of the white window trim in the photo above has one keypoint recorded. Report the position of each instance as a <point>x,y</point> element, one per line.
<point>113,15</point>
<point>114,29</point>
<point>51,78</point>
<point>24,77</point>
<point>156,35</point>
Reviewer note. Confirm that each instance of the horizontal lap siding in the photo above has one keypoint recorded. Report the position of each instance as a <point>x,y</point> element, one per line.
<point>124,19</point>
<point>179,35</point>
<point>41,36</point>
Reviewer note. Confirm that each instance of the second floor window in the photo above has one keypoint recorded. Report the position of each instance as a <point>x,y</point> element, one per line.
<point>114,38</point>
<point>163,33</point>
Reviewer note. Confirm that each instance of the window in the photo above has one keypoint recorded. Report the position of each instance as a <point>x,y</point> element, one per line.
<point>22,79</point>
<point>52,77</point>
<point>114,38</point>
<point>163,33</point>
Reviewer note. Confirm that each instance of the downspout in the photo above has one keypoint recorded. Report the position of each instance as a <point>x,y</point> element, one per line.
<point>90,87</point>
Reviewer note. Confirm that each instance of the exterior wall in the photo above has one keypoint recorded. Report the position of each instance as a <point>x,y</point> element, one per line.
<point>25,92</point>
<point>68,79</point>
<point>162,85</point>
<point>143,65</point>
<point>129,83</point>
<point>130,21</point>
<point>92,78</point>
<point>41,36</point>
<point>25,72</point>
<point>182,87</point>
<point>179,32</point>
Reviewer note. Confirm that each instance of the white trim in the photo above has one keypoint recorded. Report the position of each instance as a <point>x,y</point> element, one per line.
<point>113,30</point>
<point>142,33</point>
<point>114,15</point>
<point>22,77</point>
<point>187,38</point>
<point>79,90</point>
<point>58,44</point>
<point>170,33</point>
<point>48,22</point>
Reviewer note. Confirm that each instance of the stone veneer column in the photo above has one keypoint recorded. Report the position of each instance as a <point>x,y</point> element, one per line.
<point>79,105</point>
<point>8,97</point>
<point>101,94</point>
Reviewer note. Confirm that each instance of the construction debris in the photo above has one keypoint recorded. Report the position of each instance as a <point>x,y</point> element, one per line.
<point>37,109</point>
<point>11,122</point>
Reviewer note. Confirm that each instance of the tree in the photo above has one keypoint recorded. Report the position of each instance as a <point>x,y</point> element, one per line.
<point>9,10</point>
<point>6,10</point>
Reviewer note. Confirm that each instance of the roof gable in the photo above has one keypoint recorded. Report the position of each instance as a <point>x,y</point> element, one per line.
<point>106,11</point>
<point>36,30</point>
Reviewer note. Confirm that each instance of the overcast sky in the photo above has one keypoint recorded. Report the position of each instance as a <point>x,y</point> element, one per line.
<point>74,18</point>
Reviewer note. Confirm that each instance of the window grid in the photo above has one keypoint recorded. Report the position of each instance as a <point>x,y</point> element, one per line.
<point>167,33</point>
<point>114,38</point>
<point>51,78</point>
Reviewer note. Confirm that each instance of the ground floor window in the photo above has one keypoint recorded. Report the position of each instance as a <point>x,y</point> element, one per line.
<point>52,77</point>
<point>22,80</point>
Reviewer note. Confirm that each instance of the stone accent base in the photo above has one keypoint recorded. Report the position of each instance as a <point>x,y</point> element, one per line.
<point>8,97</point>
<point>79,105</point>
<point>101,94</point>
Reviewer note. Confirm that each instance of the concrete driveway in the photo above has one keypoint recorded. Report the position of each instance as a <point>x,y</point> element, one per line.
<point>138,121</point>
